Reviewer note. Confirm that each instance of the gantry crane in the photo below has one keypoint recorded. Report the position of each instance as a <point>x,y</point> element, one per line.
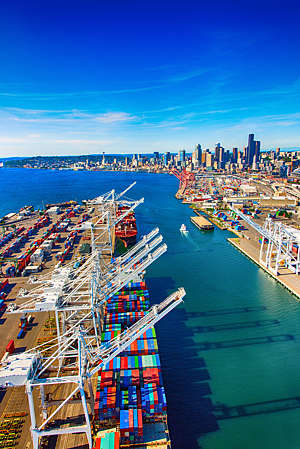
<point>276,244</point>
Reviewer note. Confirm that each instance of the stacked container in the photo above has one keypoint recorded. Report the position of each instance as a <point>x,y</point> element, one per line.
<point>130,387</point>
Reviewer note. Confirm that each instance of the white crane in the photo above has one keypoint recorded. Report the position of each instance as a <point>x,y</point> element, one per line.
<point>276,244</point>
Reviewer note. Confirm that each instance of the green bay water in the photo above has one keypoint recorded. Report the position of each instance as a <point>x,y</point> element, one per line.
<point>229,301</point>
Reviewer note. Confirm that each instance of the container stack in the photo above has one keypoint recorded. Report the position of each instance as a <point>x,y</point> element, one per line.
<point>130,389</point>
<point>107,440</point>
<point>68,246</point>
<point>131,425</point>
<point>153,399</point>
<point>22,326</point>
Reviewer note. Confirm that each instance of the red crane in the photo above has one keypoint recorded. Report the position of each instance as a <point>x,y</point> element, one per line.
<point>185,178</point>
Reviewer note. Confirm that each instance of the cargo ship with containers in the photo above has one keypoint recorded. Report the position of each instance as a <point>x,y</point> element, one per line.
<point>130,402</point>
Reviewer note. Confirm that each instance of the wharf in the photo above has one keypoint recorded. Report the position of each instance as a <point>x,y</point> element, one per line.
<point>286,278</point>
<point>202,223</point>
<point>212,219</point>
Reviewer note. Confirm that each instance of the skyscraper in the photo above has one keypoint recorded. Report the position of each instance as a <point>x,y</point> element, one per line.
<point>209,160</point>
<point>197,155</point>
<point>257,150</point>
<point>250,149</point>
<point>198,151</point>
<point>234,155</point>
<point>253,149</point>
<point>221,155</point>
<point>217,151</point>
<point>182,155</point>
<point>167,157</point>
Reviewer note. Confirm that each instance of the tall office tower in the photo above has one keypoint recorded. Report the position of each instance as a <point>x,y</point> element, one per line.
<point>194,157</point>
<point>217,151</point>
<point>245,152</point>
<point>167,157</point>
<point>257,151</point>
<point>277,152</point>
<point>234,155</point>
<point>203,158</point>
<point>198,151</point>
<point>209,160</point>
<point>182,155</point>
<point>284,170</point>
<point>156,155</point>
<point>197,155</point>
<point>220,159</point>
<point>250,149</point>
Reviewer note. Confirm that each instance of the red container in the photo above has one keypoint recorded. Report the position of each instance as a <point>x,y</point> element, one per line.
<point>10,347</point>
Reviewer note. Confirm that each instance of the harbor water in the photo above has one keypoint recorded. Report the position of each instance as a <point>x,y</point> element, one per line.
<point>235,342</point>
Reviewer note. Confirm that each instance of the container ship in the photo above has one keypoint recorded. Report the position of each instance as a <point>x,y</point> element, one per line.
<point>126,229</point>
<point>130,405</point>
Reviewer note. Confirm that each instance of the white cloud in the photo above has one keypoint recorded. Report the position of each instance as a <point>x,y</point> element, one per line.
<point>113,117</point>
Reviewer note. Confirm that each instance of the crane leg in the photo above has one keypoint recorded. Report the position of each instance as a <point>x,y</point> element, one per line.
<point>87,417</point>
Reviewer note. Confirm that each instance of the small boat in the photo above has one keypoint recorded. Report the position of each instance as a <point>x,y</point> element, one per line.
<point>183,228</point>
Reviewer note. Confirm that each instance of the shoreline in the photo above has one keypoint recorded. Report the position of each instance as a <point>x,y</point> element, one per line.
<point>154,172</point>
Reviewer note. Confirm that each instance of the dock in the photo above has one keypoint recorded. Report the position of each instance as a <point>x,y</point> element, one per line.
<point>202,223</point>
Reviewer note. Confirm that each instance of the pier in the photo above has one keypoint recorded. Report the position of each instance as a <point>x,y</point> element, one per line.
<point>202,223</point>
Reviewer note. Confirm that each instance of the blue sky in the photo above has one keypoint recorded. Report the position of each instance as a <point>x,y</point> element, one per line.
<point>142,76</point>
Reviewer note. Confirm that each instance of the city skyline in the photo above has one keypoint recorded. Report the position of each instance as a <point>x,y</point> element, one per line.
<point>83,79</point>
